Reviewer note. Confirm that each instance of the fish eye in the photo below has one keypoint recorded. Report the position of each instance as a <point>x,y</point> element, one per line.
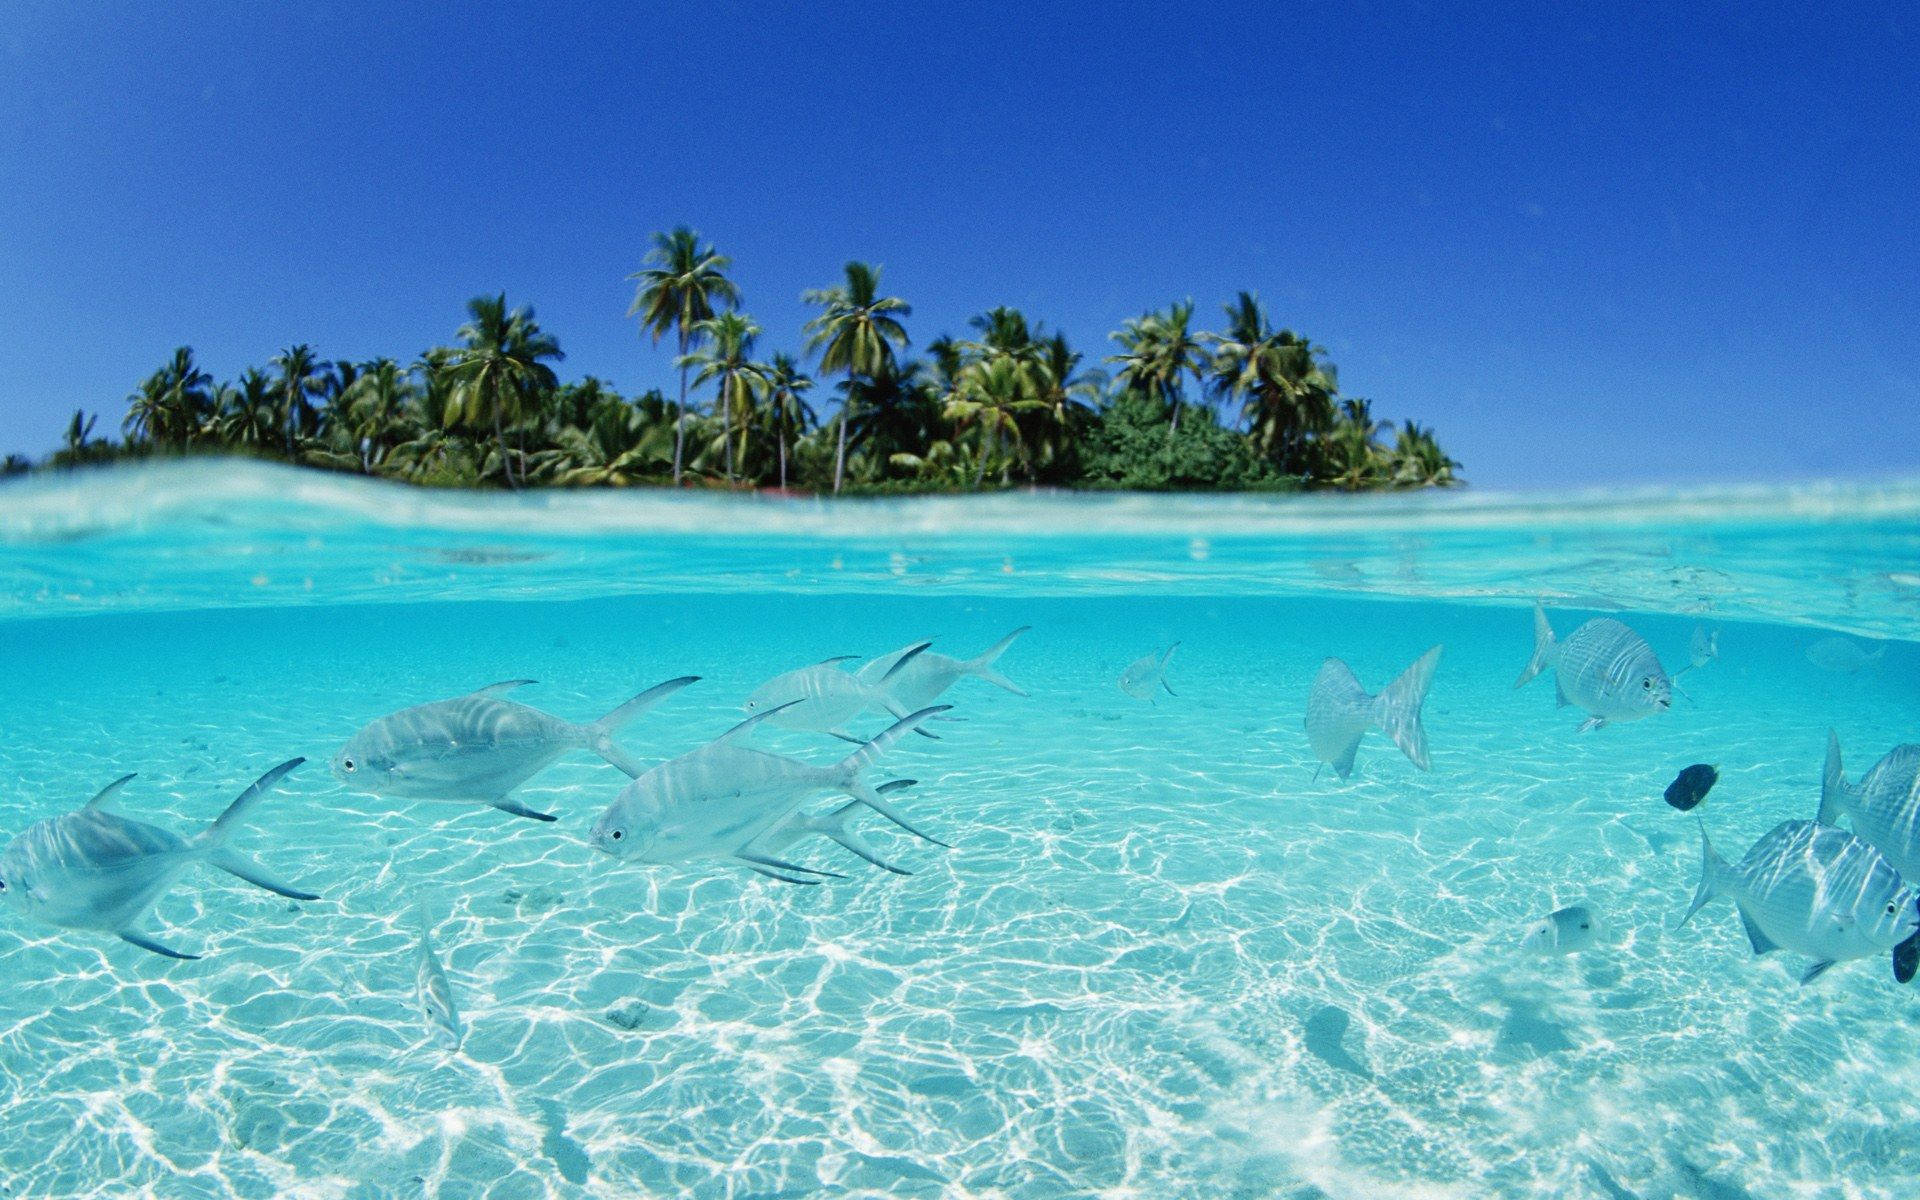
<point>1647,683</point>
<point>1892,908</point>
<point>616,835</point>
<point>346,764</point>
<point>3,885</point>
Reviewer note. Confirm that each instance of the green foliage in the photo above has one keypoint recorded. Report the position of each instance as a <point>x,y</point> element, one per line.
<point>1013,405</point>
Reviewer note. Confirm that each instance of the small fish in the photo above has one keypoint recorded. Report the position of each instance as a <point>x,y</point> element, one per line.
<point>1144,675</point>
<point>822,698</point>
<point>1563,931</point>
<point>1843,655</point>
<point>1817,891</point>
<point>1604,667</point>
<point>435,991</point>
<point>1339,712</point>
<point>1704,647</point>
<point>477,748</point>
<point>1884,806</point>
<point>95,869</point>
<point>925,676</point>
<point>724,799</point>
<point>1691,786</point>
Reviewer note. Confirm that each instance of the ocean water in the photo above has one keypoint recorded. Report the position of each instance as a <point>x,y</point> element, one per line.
<point>1164,956</point>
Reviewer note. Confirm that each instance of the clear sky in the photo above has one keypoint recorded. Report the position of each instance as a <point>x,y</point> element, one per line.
<point>1590,243</point>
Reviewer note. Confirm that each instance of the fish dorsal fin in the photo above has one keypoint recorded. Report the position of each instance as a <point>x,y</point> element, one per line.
<point>1761,943</point>
<point>906,656</point>
<point>107,793</point>
<point>502,688</point>
<point>836,659</point>
<point>740,730</point>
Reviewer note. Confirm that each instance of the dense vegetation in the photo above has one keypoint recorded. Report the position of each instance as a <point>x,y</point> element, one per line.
<point>1248,407</point>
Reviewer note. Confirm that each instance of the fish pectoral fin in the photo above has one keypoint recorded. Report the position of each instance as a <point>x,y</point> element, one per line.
<point>844,736</point>
<point>1761,943</point>
<point>759,870</point>
<point>1591,724</point>
<point>240,866</point>
<point>780,864</point>
<point>1815,971</point>
<point>146,943</point>
<point>501,688</point>
<point>508,804</point>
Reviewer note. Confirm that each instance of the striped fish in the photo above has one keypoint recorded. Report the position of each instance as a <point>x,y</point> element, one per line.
<point>477,748</point>
<point>1605,668</point>
<point>1339,712</point>
<point>928,675</point>
<point>822,698</point>
<point>1147,675</point>
<point>1817,891</point>
<point>96,869</point>
<point>727,800</point>
<point>435,991</point>
<point>1884,806</point>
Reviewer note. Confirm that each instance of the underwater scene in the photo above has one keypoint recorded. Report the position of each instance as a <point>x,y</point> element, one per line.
<point>1027,846</point>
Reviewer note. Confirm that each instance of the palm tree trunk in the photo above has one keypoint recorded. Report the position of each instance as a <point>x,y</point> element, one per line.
<point>840,453</point>
<point>680,410</point>
<point>500,439</point>
<point>726,428</point>
<point>986,452</point>
<point>1173,429</point>
<point>783,461</point>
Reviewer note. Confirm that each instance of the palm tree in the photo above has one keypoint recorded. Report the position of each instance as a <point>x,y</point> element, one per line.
<point>77,445</point>
<point>378,394</point>
<point>680,289</point>
<point>856,332</point>
<point>299,381</point>
<point>728,361</point>
<point>1160,353</point>
<point>1351,456</point>
<point>498,377</point>
<point>172,404</point>
<point>249,411</point>
<point>991,396</point>
<point>788,410</point>
<point>1418,460</point>
<point>1285,387</point>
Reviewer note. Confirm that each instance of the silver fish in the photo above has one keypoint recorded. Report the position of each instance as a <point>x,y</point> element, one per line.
<point>833,825</point>
<point>1884,806</point>
<point>925,675</point>
<point>1817,891</point>
<point>95,869</point>
<point>1703,648</point>
<point>477,748</point>
<point>1605,668</point>
<point>435,991</point>
<point>822,698</point>
<point>1843,655</point>
<point>1339,712</point>
<point>719,801</point>
<point>1563,931</point>
<point>1146,674</point>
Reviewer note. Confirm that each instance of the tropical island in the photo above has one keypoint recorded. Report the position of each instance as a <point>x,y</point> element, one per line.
<point>1247,408</point>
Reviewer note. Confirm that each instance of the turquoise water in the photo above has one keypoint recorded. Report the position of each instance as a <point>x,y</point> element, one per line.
<point>1163,958</point>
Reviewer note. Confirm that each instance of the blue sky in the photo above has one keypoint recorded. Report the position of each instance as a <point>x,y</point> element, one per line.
<point>1590,244</point>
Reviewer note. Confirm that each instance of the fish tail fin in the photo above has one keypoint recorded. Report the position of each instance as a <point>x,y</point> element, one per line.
<point>1835,791</point>
<point>851,767</point>
<point>214,840</point>
<point>834,826</point>
<point>229,820</point>
<point>982,667</point>
<point>1543,647</point>
<point>1397,708</point>
<point>1712,870</point>
<point>599,734</point>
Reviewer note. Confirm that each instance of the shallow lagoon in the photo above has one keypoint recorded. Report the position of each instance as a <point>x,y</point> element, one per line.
<point>1163,957</point>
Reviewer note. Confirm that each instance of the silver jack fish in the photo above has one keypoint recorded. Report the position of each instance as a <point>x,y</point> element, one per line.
<point>478,747</point>
<point>1703,648</point>
<point>1884,806</point>
<point>1844,655</point>
<point>1145,675</point>
<point>1563,931</point>
<point>435,991</point>
<point>927,676</point>
<point>721,800</point>
<point>822,698</point>
<point>1605,668</point>
<point>95,869</point>
<point>1817,891</point>
<point>1339,712</point>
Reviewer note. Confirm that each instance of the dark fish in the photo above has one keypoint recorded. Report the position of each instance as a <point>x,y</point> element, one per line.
<point>1691,786</point>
